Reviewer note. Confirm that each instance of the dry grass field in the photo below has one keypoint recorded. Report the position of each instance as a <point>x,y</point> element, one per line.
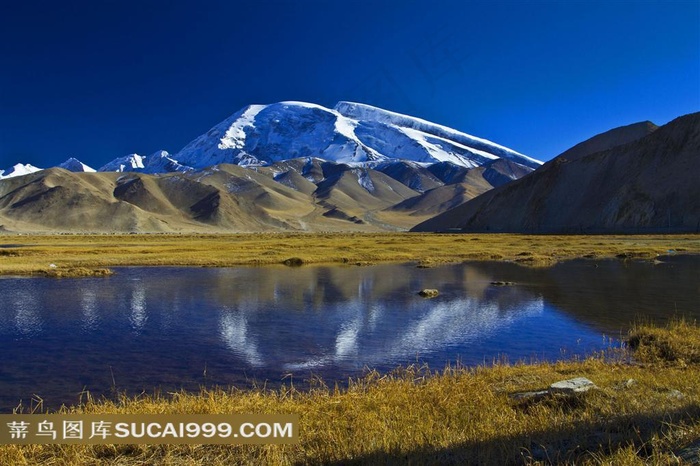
<point>77,255</point>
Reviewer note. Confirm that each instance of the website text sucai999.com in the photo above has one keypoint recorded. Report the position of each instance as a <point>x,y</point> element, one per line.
<point>148,428</point>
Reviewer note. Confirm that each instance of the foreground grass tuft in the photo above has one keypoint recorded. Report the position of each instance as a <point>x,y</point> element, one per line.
<point>677,343</point>
<point>640,414</point>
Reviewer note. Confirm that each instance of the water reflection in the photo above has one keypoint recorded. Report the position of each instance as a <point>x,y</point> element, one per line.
<point>235,334</point>
<point>88,301</point>
<point>138,316</point>
<point>27,318</point>
<point>183,327</point>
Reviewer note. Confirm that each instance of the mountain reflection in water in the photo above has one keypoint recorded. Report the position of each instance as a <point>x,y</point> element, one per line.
<point>186,327</point>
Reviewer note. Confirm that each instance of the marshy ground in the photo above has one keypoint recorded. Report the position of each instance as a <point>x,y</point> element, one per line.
<point>79,255</point>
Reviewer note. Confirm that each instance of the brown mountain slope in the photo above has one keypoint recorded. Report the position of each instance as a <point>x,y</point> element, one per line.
<point>228,198</point>
<point>222,198</point>
<point>56,199</point>
<point>648,185</point>
<point>445,197</point>
<point>356,189</point>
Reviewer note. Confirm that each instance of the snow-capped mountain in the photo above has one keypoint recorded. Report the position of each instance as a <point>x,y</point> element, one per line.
<point>18,170</point>
<point>434,138</point>
<point>161,161</point>
<point>308,164</point>
<point>350,133</point>
<point>158,162</point>
<point>127,163</point>
<point>75,165</point>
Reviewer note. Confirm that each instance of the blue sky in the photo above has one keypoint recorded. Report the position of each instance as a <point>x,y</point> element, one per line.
<point>101,79</point>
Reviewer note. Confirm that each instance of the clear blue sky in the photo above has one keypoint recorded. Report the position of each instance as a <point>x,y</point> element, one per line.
<point>99,79</point>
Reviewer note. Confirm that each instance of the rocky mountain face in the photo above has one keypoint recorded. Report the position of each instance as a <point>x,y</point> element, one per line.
<point>643,180</point>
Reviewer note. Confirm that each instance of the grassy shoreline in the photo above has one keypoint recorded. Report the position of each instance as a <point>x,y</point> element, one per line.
<point>646,410</point>
<point>79,255</point>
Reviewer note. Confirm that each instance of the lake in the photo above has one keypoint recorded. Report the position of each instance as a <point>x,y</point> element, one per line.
<point>167,328</point>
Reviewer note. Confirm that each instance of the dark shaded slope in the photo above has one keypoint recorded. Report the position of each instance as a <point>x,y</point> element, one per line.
<point>649,185</point>
<point>609,139</point>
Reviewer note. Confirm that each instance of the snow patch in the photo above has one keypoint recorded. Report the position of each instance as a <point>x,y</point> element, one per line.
<point>235,135</point>
<point>364,179</point>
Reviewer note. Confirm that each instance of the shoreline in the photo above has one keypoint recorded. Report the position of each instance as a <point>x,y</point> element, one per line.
<point>80,255</point>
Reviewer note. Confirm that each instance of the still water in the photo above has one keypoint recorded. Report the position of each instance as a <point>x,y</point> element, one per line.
<point>169,328</point>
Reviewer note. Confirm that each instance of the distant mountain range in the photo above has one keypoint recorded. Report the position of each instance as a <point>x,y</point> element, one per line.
<point>295,166</point>
<point>288,166</point>
<point>350,133</point>
<point>635,179</point>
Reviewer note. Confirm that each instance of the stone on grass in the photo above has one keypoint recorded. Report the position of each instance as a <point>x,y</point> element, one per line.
<point>571,386</point>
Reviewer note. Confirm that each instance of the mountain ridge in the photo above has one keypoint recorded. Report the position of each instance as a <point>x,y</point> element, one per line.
<point>645,185</point>
<point>292,195</point>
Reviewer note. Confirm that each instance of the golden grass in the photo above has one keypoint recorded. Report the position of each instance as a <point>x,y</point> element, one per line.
<point>642,413</point>
<point>32,254</point>
<point>656,345</point>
